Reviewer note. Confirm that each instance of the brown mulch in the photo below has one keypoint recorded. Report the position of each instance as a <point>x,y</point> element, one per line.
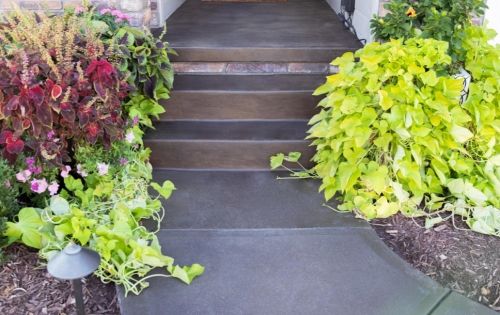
<point>462,260</point>
<point>27,289</point>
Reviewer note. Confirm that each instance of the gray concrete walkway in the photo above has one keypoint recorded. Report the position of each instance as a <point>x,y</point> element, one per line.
<point>269,247</point>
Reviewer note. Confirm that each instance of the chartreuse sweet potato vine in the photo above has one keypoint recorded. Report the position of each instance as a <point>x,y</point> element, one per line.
<point>391,135</point>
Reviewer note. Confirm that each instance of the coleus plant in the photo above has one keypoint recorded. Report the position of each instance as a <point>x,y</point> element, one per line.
<point>56,84</point>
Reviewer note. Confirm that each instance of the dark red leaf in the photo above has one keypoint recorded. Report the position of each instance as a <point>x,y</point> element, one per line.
<point>100,89</point>
<point>56,91</point>
<point>11,105</point>
<point>68,112</point>
<point>91,67</point>
<point>4,135</point>
<point>26,124</point>
<point>15,147</point>
<point>83,118</point>
<point>9,157</point>
<point>36,94</point>
<point>44,114</point>
<point>17,123</point>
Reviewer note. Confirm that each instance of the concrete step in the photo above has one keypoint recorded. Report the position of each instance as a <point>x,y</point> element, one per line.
<point>289,272</point>
<point>247,200</point>
<point>240,105</point>
<point>225,144</point>
<point>296,31</point>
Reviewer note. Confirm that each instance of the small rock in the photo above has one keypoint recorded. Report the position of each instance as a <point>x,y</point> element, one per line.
<point>485,291</point>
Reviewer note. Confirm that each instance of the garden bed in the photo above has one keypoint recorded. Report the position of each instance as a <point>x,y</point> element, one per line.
<point>27,288</point>
<point>459,259</point>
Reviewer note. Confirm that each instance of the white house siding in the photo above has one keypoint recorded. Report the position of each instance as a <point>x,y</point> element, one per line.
<point>166,8</point>
<point>492,16</point>
<point>363,13</point>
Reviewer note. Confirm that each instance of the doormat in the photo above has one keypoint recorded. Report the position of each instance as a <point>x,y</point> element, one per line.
<point>244,0</point>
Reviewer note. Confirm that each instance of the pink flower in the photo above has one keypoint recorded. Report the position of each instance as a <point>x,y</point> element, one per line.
<point>7,183</point>
<point>118,20</point>
<point>102,168</point>
<point>130,137</point>
<point>80,170</point>
<point>39,185</point>
<point>36,170</point>
<point>104,11</point>
<point>65,171</point>
<point>79,10</point>
<point>116,13</point>
<point>53,188</point>
<point>30,161</point>
<point>123,161</point>
<point>127,17</point>
<point>136,118</point>
<point>23,176</point>
<point>50,134</point>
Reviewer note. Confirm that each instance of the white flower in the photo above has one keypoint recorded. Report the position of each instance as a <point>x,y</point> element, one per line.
<point>80,170</point>
<point>130,137</point>
<point>102,168</point>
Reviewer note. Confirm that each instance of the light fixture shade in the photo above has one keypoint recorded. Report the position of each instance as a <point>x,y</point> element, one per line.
<point>73,262</point>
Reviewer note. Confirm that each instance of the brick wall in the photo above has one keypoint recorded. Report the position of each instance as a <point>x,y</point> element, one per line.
<point>138,10</point>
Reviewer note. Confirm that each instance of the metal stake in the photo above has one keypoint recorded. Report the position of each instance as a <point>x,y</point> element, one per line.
<point>77,290</point>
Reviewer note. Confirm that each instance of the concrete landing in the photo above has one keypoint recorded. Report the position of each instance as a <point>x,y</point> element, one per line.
<point>269,247</point>
<point>300,31</point>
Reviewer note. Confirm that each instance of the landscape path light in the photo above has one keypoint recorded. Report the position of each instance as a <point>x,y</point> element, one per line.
<point>73,263</point>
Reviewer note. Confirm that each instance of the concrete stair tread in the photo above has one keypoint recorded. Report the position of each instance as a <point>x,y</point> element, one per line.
<point>247,200</point>
<point>229,130</point>
<point>311,271</point>
<point>248,82</point>
<point>257,32</point>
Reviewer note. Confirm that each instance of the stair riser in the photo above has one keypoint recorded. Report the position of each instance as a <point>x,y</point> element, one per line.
<point>248,82</point>
<point>215,105</point>
<point>243,155</point>
<point>253,54</point>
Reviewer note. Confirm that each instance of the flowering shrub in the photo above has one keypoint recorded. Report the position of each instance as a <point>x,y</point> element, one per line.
<point>73,148</point>
<point>438,19</point>
<point>106,20</point>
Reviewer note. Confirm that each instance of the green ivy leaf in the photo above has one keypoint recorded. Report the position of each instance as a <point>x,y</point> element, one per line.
<point>58,205</point>
<point>186,274</point>
<point>460,134</point>
<point>165,190</point>
<point>277,161</point>
<point>293,157</point>
<point>73,184</point>
<point>429,78</point>
<point>385,102</point>
<point>430,222</point>
<point>27,228</point>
